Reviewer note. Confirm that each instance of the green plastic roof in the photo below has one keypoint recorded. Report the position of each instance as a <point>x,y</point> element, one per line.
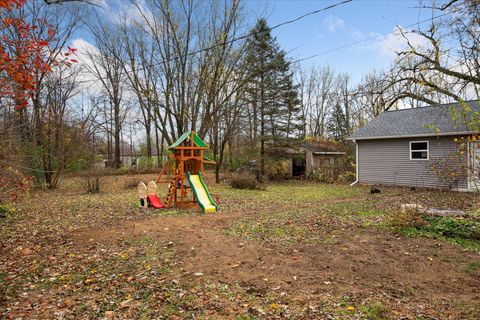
<point>196,140</point>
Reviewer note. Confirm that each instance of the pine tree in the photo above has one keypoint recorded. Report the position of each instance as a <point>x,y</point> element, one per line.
<point>338,123</point>
<point>288,110</point>
<point>270,92</point>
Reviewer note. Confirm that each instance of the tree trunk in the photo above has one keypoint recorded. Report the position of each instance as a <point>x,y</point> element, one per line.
<point>219,163</point>
<point>262,130</point>
<point>118,160</point>
<point>159,164</point>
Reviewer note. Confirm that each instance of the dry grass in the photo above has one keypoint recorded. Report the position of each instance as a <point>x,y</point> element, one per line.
<point>45,273</point>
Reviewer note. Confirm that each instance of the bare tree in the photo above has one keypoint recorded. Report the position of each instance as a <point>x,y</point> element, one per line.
<point>317,89</point>
<point>59,88</point>
<point>446,69</point>
<point>107,67</point>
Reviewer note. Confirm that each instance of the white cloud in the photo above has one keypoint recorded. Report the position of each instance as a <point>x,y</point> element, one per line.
<point>88,81</point>
<point>333,23</point>
<point>131,12</point>
<point>389,45</point>
<point>83,46</point>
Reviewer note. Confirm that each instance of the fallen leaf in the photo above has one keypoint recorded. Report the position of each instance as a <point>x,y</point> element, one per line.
<point>109,315</point>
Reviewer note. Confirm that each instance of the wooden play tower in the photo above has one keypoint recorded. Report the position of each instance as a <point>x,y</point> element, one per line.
<point>186,155</point>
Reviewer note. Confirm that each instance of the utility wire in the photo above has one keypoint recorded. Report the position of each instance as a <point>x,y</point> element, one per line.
<point>348,45</point>
<point>245,36</point>
<point>369,38</point>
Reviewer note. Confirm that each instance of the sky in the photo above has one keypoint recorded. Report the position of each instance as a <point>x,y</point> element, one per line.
<point>340,26</point>
<point>371,22</point>
<point>333,34</point>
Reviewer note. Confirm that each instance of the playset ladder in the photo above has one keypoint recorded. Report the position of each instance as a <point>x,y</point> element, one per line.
<point>172,191</point>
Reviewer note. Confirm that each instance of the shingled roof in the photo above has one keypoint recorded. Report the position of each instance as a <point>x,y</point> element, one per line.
<point>324,147</point>
<point>420,122</point>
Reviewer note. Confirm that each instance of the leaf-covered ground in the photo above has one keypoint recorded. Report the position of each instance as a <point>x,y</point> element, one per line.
<point>296,250</point>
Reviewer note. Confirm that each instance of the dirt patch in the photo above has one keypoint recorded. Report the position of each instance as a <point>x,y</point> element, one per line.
<point>295,250</point>
<point>361,261</point>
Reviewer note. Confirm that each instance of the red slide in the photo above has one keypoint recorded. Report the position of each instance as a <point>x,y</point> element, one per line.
<point>155,202</point>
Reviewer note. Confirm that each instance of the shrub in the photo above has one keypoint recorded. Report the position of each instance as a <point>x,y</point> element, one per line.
<point>131,183</point>
<point>410,218</point>
<point>92,180</point>
<point>5,209</point>
<point>13,184</point>
<point>454,227</point>
<point>411,221</point>
<point>348,176</point>
<point>321,175</point>
<point>145,162</point>
<point>245,182</point>
<point>277,169</point>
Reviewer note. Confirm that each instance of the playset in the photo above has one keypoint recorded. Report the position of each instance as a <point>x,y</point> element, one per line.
<point>183,173</point>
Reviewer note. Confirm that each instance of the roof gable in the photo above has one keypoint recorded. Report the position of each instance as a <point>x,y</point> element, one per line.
<point>443,119</point>
<point>196,140</point>
<point>324,146</point>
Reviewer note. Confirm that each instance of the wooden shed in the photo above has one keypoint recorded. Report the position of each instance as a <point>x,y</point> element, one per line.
<point>327,156</point>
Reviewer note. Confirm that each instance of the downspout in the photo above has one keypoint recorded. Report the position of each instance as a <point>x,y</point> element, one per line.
<point>356,164</point>
<point>469,165</point>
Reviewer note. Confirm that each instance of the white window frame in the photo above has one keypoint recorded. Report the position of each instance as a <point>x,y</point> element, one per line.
<point>428,150</point>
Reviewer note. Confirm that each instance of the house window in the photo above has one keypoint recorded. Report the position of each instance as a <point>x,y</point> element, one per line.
<point>419,150</point>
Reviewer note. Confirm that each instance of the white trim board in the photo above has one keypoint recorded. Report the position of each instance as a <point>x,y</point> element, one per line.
<point>420,135</point>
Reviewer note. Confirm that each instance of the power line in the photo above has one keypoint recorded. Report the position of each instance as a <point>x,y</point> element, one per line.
<point>286,23</point>
<point>246,36</point>
<point>369,38</point>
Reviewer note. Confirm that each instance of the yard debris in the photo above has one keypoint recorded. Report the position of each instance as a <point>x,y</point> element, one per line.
<point>303,239</point>
<point>432,211</point>
<point>444,212</point>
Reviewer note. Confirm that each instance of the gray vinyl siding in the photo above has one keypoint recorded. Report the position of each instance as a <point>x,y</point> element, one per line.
<point>388,162</point>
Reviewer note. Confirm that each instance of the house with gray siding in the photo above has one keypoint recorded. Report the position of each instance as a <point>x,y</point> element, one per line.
<point>434,147</point>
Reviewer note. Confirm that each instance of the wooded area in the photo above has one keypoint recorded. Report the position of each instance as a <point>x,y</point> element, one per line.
<point>175,66</point>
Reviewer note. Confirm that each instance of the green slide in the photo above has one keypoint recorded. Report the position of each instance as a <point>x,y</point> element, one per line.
<point>201,193</point>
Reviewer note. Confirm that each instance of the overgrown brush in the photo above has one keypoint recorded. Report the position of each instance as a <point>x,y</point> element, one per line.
<point>92,180</point>
<point>246,182</point>
<point>131,183</point>
<point>6,209</point>
<point>408,218</point>
<point>410,221</point>
<point>454,227</point>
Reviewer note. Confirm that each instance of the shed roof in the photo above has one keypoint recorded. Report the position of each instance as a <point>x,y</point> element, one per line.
<point>440,119</point>
<point>324,147</point>
<point>196,140</point>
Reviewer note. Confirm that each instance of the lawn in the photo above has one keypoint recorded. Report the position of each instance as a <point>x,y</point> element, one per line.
<point>296,250</point>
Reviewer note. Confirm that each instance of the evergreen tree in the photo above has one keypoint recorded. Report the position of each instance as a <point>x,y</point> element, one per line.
<point>337,125</point>
<point>270,93</point>
<point>288,107</point>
